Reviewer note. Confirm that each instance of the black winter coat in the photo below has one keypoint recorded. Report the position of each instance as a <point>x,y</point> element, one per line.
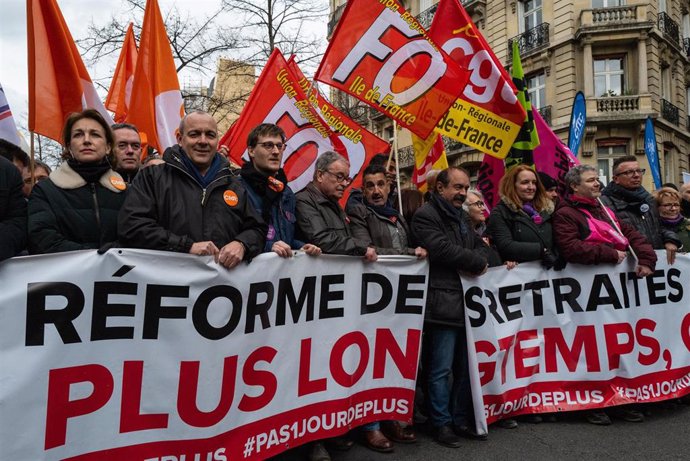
<point>516,236</point>
<point>368,226</point>
<point>66,213</point>
<point>12,211</point>
<point>322,222</point>
<point>452,249</point>
<point>630,212</point>
<point>168,209</point>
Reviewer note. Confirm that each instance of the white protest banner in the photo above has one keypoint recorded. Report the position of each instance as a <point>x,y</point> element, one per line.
<point>145,355</point>
<point>582,338</point>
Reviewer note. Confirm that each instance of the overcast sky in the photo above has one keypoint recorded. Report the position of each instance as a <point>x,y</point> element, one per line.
<point>78,15</point>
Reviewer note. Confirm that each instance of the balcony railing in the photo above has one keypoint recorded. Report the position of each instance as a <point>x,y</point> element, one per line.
<point>406,156</point>
<point>426,16</point>
<point>545,113</point>
<point>602,16</point>
<point>335,17</point>
<point>616,104</point>
<point>533,39</point>
<point>669,27</point>
<point>669,111</point>
<point>686,46</point>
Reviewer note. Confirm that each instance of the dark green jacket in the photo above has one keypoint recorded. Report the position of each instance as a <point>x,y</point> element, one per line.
<point>66,213</point>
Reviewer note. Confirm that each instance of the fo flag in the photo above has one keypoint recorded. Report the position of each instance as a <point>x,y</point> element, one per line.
<point>277,98</point>
<point>358,141</point>
<point>487,115</point>
<point>578,117</point>
<point>381,55</point>
<point>120,91</point>
<point>59,83</point>
<point>652,153</point>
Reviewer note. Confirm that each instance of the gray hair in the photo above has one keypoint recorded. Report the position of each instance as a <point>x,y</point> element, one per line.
<point>574,175</point>
<point>327,159</point>
<point>474,192</point>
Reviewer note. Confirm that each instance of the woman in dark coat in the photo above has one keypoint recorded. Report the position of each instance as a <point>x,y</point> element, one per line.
<point>520,224</point>
<point>77,207</point>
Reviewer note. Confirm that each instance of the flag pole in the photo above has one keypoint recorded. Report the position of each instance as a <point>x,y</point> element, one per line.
<point>397,164</point>
<point>32,163</point>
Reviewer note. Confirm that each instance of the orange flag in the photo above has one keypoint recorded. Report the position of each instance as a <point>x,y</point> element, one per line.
<point>120,91</point>
<point>156,105</point>
<point>58,80</point>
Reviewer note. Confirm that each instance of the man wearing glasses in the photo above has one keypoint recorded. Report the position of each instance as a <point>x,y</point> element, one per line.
<point>320,219</point>
<point>267,189</point>
<point>127,151</point>
<point>635,206</point>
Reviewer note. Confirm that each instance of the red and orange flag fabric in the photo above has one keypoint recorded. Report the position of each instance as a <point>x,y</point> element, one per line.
<point>59,83</point>
<point>156,105</point>
<point>120,91</point>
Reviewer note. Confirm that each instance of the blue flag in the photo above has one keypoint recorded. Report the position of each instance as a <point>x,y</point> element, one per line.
<point>652,152</point>
<point>578,117</point>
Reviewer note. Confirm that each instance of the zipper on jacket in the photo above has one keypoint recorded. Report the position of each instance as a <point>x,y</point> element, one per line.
<point>203,190</point>
<point>97,211</point>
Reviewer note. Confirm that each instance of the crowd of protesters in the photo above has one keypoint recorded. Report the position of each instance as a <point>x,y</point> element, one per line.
<point>193,200</point>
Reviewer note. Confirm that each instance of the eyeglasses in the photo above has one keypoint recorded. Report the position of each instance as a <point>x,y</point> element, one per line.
<point>341,178</point>
<point>268,145</point>
<point>478,204</point>
<point>628,173</point>
<point>670,205</point>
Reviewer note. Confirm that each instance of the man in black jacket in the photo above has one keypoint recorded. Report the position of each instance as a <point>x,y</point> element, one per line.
<point>443,228</point>
<point>192,203</point>
<point>320,219</point>
<point>12,211</point>
<point>127,151</point>
<point>635,206</point>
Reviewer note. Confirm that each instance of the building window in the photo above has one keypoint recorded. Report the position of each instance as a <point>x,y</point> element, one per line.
<point>536,88</point>
<point>607,3</point>
<point>662,6</point>
<point>530,12</point>
<point>608,77</point>
<point>607,152</point>
<point>666,83</point>
<point>425,5</point>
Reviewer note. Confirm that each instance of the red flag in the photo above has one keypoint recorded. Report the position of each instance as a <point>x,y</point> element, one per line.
<point>120,90</point>
<point>59,83</point>
<point>358,141</point>
<point>381,55</point>
<point>487,115</point>
<point>277,98</point>
<point>156,105</point>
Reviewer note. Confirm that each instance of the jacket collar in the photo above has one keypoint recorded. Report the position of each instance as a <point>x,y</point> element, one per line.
<point>65,177</point>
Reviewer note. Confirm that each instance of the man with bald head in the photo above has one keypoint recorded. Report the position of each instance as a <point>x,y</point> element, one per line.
<point>192,203</point>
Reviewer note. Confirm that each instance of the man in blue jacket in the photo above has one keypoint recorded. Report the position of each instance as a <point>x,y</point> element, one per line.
<point>268,191</point>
